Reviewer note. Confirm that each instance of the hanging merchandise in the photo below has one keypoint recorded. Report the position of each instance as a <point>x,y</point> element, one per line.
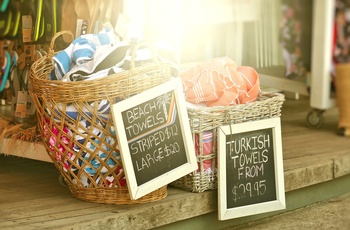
<point>49,19</point>
<point>37,18</point>
<point>16,17</point>
<point>13,75</point>
<point>5,68</point>
<point>5,23</point>
<point>5,58</point>
<point>3,5</point>
<point>22,103</point>
<point>26,22</point>
<point>9,20</point>
<point>40,20</point>
<point>294,38</point>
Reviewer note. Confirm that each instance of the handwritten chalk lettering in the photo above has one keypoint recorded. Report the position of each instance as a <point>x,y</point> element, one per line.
<point>149,122</point>
<point>250,176</point>
<point>250,159</point>
<point>153,140</point>
<point>154,137</point>
<point>172,148</point>
<point>256,157</point>
<point>171,131</point>
<point>141,111</point>
<point>245,144</point>
<point>248,190</point>
<point>157,156</point>
<point>147,142</point>
<point>251,171</point>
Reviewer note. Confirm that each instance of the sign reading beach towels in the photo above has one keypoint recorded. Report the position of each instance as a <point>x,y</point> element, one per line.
<point>154,137</point>
<point>251,178</point>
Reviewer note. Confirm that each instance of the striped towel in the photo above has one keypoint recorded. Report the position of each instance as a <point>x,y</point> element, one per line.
<point>207,149</point>
<point>81,51</point>
<point>219,82</point>
<point>73,111</point>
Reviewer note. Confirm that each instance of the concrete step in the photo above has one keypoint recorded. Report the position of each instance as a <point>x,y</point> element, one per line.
<point>329,214</point>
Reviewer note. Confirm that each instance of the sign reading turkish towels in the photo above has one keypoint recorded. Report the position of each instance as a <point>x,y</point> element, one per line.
<point>251,178</point>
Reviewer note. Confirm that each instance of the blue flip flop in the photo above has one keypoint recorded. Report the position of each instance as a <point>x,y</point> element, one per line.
<point>6,71</point>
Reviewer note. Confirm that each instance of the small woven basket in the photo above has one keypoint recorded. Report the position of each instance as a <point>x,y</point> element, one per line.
<point>204,123</point>
<point>83,146</point>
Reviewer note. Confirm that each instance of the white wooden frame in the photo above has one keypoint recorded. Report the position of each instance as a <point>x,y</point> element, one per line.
<point>136,191</point>
<point>278,204</point>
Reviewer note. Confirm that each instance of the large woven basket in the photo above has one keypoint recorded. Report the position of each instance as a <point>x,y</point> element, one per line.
<point>84,147</point>
<point>204,123</point>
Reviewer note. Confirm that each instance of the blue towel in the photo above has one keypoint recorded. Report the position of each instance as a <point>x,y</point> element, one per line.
<point>80,51</point>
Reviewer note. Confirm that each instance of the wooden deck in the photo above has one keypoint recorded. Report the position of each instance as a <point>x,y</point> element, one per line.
<point>32,198</point>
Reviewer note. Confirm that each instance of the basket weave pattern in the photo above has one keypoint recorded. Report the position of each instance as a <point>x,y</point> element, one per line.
<point>83,144</point>
<point>205,121</point>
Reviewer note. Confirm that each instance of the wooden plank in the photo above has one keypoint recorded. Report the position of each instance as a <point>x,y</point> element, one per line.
<point>139,216</point>
<point>32,197</point>
<point>307,172</point>
<point>30,150</point>
<point>342,165</point>
<point>52,206</point>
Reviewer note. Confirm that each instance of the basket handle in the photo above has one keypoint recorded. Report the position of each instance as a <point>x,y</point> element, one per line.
<point>134,50</point>
<point>52,43</point>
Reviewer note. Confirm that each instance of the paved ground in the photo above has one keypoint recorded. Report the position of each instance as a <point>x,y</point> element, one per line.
<point>333,214</point>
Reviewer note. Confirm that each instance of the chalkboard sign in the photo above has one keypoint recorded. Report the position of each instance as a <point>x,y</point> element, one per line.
<point>250,173</point>
<point>154,138</point>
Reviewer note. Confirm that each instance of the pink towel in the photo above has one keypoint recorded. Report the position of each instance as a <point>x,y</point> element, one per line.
<point>207,149</point>
<point>219,82</point>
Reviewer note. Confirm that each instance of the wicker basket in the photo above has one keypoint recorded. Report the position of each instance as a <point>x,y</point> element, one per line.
<point>204,123</point>
<point>84,147</point>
